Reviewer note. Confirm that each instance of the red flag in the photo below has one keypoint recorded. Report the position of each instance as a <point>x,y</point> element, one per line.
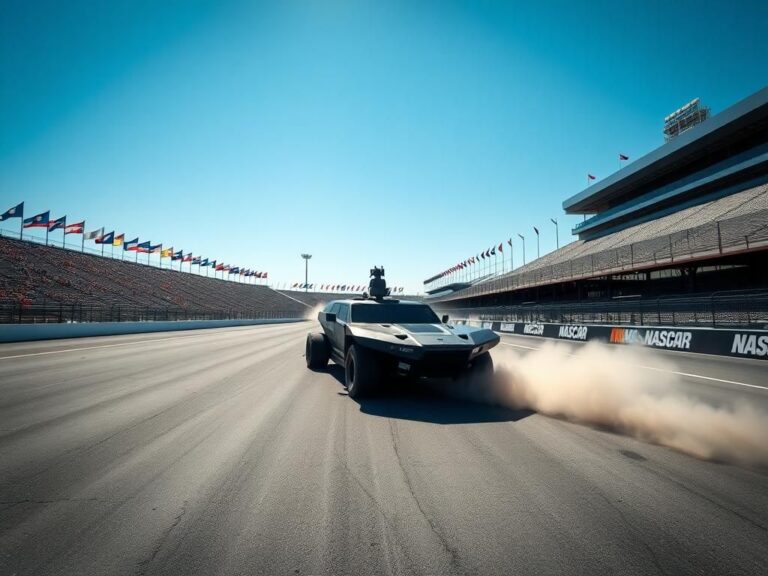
<point>623,157</point>
<point>74,228</point>
<point>501,247</point>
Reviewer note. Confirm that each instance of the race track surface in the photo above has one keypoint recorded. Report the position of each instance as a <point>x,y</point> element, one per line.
<point>219,452</point>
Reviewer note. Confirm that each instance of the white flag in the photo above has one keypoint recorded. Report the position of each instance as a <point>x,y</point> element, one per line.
<point>95,234</point>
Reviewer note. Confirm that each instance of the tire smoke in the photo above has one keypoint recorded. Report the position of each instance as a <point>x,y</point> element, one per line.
<point>629,390</point>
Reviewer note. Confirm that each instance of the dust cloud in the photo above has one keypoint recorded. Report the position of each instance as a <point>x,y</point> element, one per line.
<point>630,390</point>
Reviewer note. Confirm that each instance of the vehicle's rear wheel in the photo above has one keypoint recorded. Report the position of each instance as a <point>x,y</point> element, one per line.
<point>483,365</point>
<point>317,351</point>
<point>361,372</point>
<point>481,370</point>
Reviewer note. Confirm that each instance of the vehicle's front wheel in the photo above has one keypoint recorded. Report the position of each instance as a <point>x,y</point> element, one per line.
<point>361,372</point>
<point>316,351</point>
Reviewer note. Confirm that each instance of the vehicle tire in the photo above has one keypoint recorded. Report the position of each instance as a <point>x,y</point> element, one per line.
<point>317,351</point>
<point>481,371</point>
<point>361,372</point>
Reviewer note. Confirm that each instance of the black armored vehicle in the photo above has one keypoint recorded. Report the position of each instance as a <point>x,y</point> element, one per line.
<point>374,337</point>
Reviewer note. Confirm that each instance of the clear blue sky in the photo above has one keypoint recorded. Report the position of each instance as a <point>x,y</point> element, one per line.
<point>409,134</point>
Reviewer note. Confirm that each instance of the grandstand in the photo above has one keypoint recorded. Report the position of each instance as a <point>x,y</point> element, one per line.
<point>688,219</point>
<point>46,283</point>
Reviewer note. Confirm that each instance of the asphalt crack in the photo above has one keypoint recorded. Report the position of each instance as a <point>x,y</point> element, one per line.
<point>144,564</point>
<point>452,554</point>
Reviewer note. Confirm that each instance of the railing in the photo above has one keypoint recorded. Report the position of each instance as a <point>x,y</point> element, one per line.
<point>744,232</point>
<point>724,309</point>
<point>56,312</point>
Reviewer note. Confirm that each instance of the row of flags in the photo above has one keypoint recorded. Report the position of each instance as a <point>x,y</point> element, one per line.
<point>622,158</point>
<point>99,236</point>
<point>478,258</point>
<point>339,287</point>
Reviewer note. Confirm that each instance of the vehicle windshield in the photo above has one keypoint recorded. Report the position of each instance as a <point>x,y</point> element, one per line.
<point>393,314</point>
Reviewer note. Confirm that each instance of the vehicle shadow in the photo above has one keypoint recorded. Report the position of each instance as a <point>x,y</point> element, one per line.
<point>435,402</point>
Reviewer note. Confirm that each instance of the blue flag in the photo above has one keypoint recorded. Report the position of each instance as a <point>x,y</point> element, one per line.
<point>204,262</point>
<point>38,221</point>
<point>58,223</point>
<point>107,238</point>
<point>177,255</point>
<point>131,244</point>
<point>15,212</point>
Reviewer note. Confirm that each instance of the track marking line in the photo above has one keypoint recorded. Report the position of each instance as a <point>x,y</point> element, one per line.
<point>711,378</point>
<point>108,345</point>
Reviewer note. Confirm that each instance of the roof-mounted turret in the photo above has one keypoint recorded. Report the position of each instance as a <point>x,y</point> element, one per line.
<point>377,287</point>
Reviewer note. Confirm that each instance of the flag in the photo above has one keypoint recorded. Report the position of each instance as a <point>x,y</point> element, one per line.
<point>107,238</point>
<point>501,247</point>
<point>401,288</point>
<point>58,223</point>
<point>488,254</point>
<point>119,240</point>
<point>204,262</point>
<point>590,176</point>
<point>156,248</point>
<point>15,212</point>
<point>213,264</point>
<point>167,253</point>
<point>143,248</point>
<point>131,245</point>
<point>218,268</point>
<point>493,251</point>
<point>509,241</point>
<point>263,274</point>
<point>197,260</point>
<point>95,234</point>
<point>482,255</point>
<point>187,257</point>
<point>536,230</point>
<point>76,228</point>
<point>38,220</point>
<point>234,270</point>
<point>623,157</point>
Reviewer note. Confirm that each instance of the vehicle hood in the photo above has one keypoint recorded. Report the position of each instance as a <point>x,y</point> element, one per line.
<point>432,335</point>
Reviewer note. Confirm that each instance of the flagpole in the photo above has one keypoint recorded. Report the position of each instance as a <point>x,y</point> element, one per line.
<point>47,229</point>
<point>82,245</point>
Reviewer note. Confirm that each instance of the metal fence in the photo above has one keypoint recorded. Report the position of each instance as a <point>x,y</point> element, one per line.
<point>725,309</point>
<point>744,232</point>
<point>56,312</point>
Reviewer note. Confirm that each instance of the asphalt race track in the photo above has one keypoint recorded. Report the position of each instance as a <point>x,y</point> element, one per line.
<point>219,452</point>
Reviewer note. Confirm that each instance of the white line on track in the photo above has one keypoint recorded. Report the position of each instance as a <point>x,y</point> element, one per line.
<point>687,374</point>
<point>134,342</point>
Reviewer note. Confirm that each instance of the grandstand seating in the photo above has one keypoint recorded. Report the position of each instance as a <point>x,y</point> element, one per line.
<point>33,275</point>
<point>736,221</point>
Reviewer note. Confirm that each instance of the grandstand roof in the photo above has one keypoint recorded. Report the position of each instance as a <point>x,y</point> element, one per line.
<point>745,120</point>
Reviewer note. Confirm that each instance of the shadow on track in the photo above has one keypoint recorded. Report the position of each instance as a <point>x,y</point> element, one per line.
<point>435,402</point>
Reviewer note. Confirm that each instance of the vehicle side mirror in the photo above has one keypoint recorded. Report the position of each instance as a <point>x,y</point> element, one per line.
<point>445,318</point>
<point>330,317</point>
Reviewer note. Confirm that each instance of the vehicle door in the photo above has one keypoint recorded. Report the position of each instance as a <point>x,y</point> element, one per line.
<point>342,319</point>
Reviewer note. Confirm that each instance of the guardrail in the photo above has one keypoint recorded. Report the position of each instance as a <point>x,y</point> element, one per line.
<point>57,312</point>
<point>725,309</point>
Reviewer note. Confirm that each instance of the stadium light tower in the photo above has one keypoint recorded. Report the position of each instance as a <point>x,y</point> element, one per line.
<point>306,270</point>
<point>557,232</point>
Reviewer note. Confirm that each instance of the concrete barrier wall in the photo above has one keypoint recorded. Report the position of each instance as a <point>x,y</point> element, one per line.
<point>716,341</point>
<point>28,332</point>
